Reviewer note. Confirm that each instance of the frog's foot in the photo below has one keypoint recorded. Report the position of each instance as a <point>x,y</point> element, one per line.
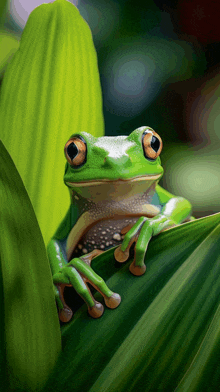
<point>140,234</point>
<point>69,276</point>
<point>112,300</point>
<point>77,273</point>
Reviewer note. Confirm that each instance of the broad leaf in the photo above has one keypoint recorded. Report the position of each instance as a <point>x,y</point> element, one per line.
<point>29,333</point>
<point>166,320</point>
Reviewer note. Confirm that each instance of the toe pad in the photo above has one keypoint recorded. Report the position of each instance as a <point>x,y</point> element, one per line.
<point>137,270</point>
<point>113,301</point>
<point>96,311</point>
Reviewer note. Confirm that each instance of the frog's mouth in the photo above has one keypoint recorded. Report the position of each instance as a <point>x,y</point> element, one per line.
<point>115,181</point>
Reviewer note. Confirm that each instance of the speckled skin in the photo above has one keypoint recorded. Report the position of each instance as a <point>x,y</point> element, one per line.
<point>107,233</point>
<point>103,235</point>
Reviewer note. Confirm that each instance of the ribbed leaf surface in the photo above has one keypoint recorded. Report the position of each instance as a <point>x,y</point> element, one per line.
<point>50,90</point>
<point>29,333</point>
<point>166,328</point>
<point>9,44</point>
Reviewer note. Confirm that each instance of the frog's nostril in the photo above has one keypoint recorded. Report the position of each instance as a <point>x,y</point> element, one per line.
<point>117,161</point>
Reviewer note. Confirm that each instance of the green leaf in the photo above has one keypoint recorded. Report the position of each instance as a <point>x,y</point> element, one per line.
<point>166,320</point>
<point>9,44</point>
<point>29,333</point>
<point>3,4</point>
<point>204,372</point>
<point>50,90</point>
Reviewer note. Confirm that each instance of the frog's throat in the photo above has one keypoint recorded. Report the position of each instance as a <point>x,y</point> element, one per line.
<point>117,181</point>
<point>86,220</point>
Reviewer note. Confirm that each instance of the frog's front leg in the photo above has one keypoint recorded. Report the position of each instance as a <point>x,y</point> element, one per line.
<point>175,211</point>
<point>82,265</point>
<point>78,273</point>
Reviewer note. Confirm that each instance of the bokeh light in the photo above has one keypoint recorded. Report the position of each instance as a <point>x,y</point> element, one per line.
<point>203,113</point>
<point>196,176</point>
<point>102,16</point>
<point>134,73</point>
<point>130,85</point>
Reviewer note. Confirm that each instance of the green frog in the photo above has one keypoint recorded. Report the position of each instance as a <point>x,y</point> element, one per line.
<point>115,202</point>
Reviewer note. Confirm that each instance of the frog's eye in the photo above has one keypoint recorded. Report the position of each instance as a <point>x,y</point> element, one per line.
<point>152,144</point>
<point>75,151</point>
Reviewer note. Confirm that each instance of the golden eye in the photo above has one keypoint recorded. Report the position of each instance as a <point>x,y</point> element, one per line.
<point>75,151</point>
<point>152,144</point>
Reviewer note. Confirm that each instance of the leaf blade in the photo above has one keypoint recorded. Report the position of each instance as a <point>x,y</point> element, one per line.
<point>136,335</point>
<point>31,328</point>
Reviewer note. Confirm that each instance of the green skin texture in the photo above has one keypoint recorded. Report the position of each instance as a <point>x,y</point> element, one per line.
<point>126,160</point>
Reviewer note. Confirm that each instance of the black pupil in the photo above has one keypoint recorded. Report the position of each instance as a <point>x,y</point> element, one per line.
<point>72,150</point>
<point>155,143</point>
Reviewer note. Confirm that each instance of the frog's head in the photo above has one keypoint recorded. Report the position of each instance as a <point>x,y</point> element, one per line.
<point>127,160</point>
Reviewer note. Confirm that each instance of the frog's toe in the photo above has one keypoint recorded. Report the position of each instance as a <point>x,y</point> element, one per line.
<point>113,301</point>
<point>123,251</point>
<point>96,310</point>
<point>137,270</point>
<point>121,256</point>
<point>65,314</point>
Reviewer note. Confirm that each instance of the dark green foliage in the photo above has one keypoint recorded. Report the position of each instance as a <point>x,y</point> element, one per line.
<point>29,331</point>
<point>162,326</point>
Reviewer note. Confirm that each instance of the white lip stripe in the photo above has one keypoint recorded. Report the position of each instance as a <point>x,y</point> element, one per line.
<point>99,182</point>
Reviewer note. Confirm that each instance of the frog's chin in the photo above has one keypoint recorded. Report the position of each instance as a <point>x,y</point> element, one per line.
<point>115,190</point>
<point>151,178</point>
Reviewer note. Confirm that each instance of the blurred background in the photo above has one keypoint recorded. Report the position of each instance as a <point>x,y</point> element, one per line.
<point>159,63</point>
